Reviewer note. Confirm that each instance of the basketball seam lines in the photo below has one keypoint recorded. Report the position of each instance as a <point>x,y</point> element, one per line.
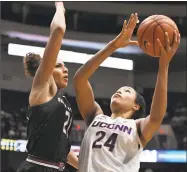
<point>171,42</point>
<point>149,20</point>
<point>146,22</point>
<point>145,31</point>
<point>173,39</point>
<point>167,23</point>
<point>147,27</point>
<point>163,29</point>
<point>160,26</point>
<point>154,39</point>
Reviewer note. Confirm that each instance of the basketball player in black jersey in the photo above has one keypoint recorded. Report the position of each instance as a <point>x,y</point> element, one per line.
<point>49,114</point>
<point>126,101</point>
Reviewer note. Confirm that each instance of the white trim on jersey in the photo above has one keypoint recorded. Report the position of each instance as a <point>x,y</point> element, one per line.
<point>43,164</point>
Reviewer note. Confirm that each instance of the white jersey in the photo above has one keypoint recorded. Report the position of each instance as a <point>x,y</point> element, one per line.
<point>110,145</point>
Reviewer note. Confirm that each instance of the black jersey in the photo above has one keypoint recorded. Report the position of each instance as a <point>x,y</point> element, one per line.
<point>49,128</point>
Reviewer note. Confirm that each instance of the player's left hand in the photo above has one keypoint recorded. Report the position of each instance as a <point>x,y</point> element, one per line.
<point>169,51</point>
<point>124,38</point>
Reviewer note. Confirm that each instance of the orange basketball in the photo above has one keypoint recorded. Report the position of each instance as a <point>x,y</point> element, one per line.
<point>151,29</point>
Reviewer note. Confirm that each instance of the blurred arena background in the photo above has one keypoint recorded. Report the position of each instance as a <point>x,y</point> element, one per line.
<point>90,25</point>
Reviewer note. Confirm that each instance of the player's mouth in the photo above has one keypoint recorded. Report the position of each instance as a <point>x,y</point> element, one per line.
<point>66,77</point>
<point>117,95</point>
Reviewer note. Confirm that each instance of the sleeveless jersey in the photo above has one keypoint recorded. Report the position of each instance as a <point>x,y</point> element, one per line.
<point>110,145</point>
<point>49,128</point>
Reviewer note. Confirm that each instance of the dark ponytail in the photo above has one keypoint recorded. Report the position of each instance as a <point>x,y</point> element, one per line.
<point>141,113</point>
<point>31,63</point>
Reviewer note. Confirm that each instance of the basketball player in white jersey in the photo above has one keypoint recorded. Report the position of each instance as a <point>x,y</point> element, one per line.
<point>114,144</point>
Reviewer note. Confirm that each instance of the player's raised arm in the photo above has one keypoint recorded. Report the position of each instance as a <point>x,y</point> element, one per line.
<point>151,123</point>
<point>48,62</point>
<point>84,93</point>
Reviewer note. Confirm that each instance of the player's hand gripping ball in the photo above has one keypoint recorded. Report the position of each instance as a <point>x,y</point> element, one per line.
<point>153,28</point>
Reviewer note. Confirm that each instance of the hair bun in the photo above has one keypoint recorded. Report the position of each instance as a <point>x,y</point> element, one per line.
<point>31,62</point>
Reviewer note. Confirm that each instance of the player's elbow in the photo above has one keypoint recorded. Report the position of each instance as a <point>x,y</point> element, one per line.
<point>156,120</point>
<point>158,113</point>
<point>57,29</point>
<point>76,81</point>
<point>78,78</point>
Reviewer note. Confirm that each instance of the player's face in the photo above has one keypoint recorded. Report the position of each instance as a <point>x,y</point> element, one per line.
<point>60,75</point>
<point>124,100</point>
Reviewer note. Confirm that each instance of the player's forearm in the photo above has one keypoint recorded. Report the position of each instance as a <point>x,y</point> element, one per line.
<point>58,22</point>
<point>159,102</point>
<point>92,65</point>
<point>73,159</point>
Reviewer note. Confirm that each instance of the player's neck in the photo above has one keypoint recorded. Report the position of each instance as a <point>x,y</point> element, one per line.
<point>126,115</point>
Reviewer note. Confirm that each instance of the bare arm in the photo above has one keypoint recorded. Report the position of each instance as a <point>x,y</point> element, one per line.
<point>84,93</point>
<point>72,159</point>
<point>151,123</point>
<point>57,30</point>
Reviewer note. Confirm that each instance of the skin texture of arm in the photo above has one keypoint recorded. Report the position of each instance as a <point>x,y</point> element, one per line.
<point>48,62</point>
<point>151,124</point>
<point>84,92</point>
<point>72,159</point>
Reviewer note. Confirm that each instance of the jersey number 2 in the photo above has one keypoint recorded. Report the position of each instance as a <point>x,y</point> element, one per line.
<point>67,123</point>
<point>109,143</point>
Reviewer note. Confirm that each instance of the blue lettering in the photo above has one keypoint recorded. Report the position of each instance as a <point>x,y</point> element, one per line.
<point>119,127</point>
<point>103,124</point>
<point>96,123</point>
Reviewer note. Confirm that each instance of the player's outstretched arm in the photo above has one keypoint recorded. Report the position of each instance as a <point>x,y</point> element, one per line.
<point>48,62</point>
<point>151,123</point>
<point>84,93</point>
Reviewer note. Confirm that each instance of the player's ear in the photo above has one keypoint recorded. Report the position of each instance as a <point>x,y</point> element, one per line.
<point>136,107</point>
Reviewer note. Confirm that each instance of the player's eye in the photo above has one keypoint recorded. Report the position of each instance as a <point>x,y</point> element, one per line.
<point>58,65</point>
<point>127,91</point>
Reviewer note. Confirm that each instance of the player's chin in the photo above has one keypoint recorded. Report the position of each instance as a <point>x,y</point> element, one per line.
<point>63,84</point>
<point>115,101</point>
<point>115,105</point>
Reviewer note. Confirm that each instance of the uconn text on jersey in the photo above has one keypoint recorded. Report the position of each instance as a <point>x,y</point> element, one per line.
<point>123,128</point>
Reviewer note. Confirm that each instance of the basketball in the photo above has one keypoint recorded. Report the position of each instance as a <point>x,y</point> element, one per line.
<point>151,29</point>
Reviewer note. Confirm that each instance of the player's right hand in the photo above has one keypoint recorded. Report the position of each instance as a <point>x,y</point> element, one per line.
<point>166,53</point>
<point>124,38</point>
